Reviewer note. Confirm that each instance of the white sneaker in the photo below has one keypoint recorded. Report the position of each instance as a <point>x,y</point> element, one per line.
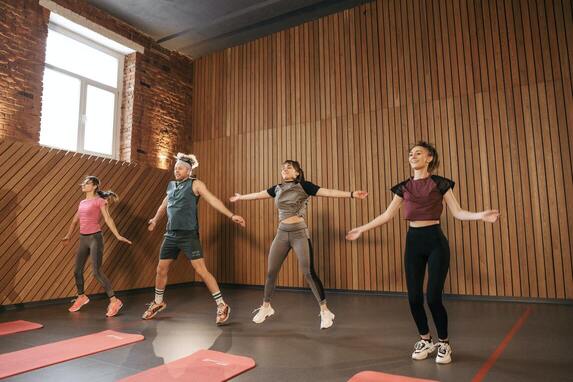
<point>422,349</point>
<point>262,313</point>
<point>444,353</point>
<point>326,319</point>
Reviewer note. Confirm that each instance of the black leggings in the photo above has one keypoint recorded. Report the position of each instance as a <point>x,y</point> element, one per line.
<point>427,245</point>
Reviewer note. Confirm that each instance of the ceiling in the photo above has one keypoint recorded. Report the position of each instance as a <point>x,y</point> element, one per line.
<point>198,27</point>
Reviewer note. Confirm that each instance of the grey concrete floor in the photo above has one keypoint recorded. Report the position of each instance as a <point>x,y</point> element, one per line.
<point>370,333</point>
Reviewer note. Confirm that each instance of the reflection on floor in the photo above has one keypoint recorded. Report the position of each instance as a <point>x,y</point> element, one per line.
<point>370,333</point>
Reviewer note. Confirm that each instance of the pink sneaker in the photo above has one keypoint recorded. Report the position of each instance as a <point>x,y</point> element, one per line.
<point>78,303</point>
<point>223,314</point>
<point>152,309</point>
<point>114,307</point>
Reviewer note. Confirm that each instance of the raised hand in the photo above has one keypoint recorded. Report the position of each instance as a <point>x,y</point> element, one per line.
<point>490,216</point>
<point>239,220</point>
<point>235,198</point>
<point>121,238</point>
<point>354,234</point>
<point>359,194</point>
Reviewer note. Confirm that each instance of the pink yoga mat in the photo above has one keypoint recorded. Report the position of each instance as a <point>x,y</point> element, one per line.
<point>201,366</point>
<point>17,326</point>
<point>45,355</point>
<point>374,376</point>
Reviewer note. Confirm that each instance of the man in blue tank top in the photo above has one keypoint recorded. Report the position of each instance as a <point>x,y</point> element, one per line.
<point>182,233</point>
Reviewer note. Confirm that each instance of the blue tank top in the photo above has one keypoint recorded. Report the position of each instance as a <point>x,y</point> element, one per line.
<point>182,206</point>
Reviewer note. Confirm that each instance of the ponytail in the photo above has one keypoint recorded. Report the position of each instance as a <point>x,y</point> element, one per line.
<point>108,195</point>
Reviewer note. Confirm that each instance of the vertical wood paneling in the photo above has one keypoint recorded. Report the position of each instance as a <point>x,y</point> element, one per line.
<point>489,82</point>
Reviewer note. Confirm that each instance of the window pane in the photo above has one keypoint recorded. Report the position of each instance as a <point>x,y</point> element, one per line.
<point>76,57</point>
<point>99,121</point>
<point>60,111</point>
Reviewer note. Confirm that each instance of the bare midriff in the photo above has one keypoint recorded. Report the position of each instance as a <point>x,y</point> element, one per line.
<point>292,220</point>
<point>423,223</point>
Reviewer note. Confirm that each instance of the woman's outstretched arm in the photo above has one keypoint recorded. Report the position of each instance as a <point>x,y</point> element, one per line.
<point>341,194</point>
<point>382,219</point>
<point>254,196</point>
<point>111,224</point>
<point>72,227</point>
<point>489,216</point>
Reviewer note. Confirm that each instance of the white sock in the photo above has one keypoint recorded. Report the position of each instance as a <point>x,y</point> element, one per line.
<point>218,297</point>
<point>159,295</point>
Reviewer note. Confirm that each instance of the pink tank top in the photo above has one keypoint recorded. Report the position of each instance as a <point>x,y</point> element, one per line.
<point>89,213</point>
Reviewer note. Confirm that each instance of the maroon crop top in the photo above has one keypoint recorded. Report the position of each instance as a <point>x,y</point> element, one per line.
<point>423,197</point>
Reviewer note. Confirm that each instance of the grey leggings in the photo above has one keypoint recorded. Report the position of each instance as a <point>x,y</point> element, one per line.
<point>293,236</point>
<point>91,245</point>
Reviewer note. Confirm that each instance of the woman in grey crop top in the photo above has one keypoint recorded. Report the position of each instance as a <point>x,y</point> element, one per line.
<point>426,246</point>
<point>291,198</point>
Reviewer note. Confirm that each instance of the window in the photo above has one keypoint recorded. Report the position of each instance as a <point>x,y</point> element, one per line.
<point>82,92</point>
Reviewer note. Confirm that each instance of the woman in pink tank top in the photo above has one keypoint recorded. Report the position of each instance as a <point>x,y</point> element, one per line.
<point>90,211</point>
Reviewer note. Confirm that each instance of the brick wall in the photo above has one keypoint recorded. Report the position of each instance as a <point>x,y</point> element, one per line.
<point>161,108</point>
<point>156,100</point>
<point>23,31</point>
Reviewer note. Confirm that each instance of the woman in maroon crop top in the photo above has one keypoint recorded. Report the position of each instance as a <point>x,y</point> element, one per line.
<point>422,196</point>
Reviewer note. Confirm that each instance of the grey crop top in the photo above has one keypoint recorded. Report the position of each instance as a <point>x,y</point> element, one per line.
<point>291,198</point>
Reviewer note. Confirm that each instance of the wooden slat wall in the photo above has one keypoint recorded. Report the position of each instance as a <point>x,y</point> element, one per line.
<point>489,82</point>
<point>39,195</point>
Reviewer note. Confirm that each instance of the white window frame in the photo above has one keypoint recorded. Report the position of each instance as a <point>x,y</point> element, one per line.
<point>83,92</point>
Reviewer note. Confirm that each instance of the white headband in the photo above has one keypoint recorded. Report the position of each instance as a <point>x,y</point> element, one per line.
<point>188,161</point>
<point>184,164</point>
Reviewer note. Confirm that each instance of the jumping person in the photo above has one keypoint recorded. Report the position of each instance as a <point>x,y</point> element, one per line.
<point>422,196</point>
<point>182,233</point>
<point>88,215</point>
<point>291,198</point>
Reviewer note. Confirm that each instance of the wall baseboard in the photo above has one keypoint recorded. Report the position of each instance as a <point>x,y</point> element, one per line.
<point>454,297</point>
